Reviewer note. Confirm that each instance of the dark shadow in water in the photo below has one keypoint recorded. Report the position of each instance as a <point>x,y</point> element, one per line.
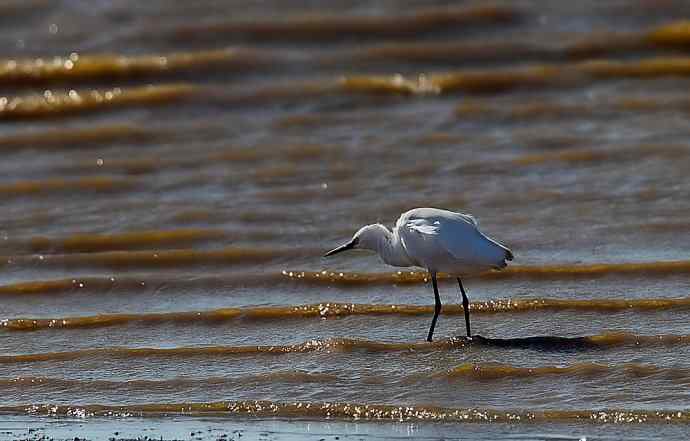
<point>540,343</point>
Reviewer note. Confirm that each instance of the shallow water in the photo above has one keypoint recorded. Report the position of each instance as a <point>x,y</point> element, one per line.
<point>173,173</point>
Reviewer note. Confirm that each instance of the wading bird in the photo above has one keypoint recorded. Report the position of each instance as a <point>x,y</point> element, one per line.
<point>438,240</point>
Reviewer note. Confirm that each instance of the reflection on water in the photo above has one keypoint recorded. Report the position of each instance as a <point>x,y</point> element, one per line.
<point>172,174</point>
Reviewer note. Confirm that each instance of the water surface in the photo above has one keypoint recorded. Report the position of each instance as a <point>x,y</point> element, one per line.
<point>173,173</point>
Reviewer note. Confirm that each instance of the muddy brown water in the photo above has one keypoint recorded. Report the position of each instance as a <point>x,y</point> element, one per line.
<point>172,173</point>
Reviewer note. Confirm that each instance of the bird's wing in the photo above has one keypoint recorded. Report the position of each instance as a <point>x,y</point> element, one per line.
<point>422,226</point>
<point>432,236</point>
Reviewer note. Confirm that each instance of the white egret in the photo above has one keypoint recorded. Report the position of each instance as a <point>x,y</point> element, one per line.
<point>437,240</point>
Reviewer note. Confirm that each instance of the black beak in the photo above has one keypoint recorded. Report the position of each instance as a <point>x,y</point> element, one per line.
<point>348,246</point>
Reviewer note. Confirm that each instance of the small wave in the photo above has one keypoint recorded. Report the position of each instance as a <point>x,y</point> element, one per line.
<point>89,243</point>
<point>82,67</point>
<point>534,110</point>
<point>86,67</point>
<point>62,286</point>
<point>377,412</point>
<point>329,345</point>
<point>50,186</point>
<point>601,341</point>
<point>282,376</point>
<point>55,104</point>
<point>633,153</point>
<point>446,52</point>
<point>545,343</point>
<point>155,259</point>
<point>675,34</point>
<point>499,80</point>
<point>563,271</point>
<point>468,371</point>
<point>470,81</point>
<point>329,310</point>
<point>133,284</point>
<point>350,279</point>
<point>498,371</point>
<point>265,175</point>
<point>338,27</point>
<point>669,36</point>
<point>77,137</point>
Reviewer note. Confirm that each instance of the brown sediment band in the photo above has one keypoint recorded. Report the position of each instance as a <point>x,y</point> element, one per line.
<point>668,36</point>
<point>256,154</point>
<point>281,376</point>
<point>84,67</point>
<point>307,194</point>
<point>58,286</point>
<point>283,91</point>
<point>570,156</point>
<point>80,67</point>
<point>157,259</point>
<point>49,186</point>
<point>348,345</point>
<point>537,272</point>
<point>303,120</point>
<point>88,243</point>
<point>132,284</point>
<point>327,346</point>
<point>54,104</point>
<point>332,309</point>
<point>593,270</point>
<point>653,67</point>
<point>338,27</point>
<point>468,371</point>
<point>532,272</point>
<point>573,156</point>
<point>130,166</point>
<point>675,35</point>
<point>551,109</point>
<point>78,137</point>
<point>470,81</point>
<point>155,164</point>
<point>670,227</point>
<point>355,411</point>
<point>62,286</point>
<point>464,52</point>
<point>506,79</point>
<point>499,371</point>
<point>444,52</point>
<point>487,81</point>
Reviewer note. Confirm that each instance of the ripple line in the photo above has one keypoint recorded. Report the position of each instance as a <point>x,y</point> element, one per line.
<point>355,411</point>
<point>334,309</point>
<point>544,343</point>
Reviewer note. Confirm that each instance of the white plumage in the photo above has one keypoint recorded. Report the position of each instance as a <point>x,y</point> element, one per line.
<point>448,242</point>
<point>437,240</point>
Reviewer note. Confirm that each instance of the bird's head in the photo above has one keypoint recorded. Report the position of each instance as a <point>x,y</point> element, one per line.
<point>366,238</point>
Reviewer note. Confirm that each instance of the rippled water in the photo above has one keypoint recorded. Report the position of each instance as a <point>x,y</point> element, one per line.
<point>172,174</point>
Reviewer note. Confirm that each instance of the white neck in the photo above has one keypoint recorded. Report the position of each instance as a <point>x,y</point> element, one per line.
<point>391,250</point>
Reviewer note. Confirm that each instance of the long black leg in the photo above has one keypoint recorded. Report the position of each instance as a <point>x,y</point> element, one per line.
<point>466,308</point>
<point>437,307</point>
